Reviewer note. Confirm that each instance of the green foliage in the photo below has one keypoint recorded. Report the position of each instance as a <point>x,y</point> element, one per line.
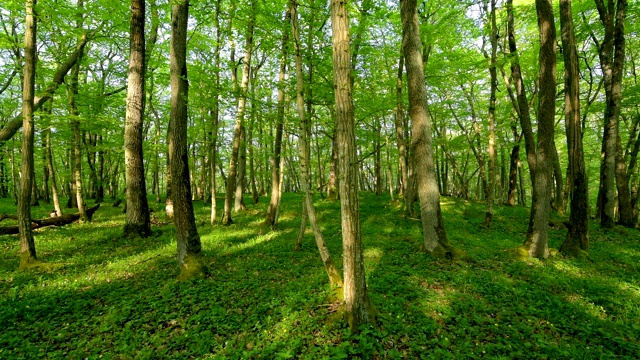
<point>117,298</point>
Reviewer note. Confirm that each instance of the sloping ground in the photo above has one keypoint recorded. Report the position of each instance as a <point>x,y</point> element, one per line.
<point>117,298</point>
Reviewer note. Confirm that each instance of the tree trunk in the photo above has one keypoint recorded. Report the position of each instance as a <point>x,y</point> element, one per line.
<point>52,173</point>
<point>137,222</point>
<point>215,116</point>
<point>357,306</point>
<point>611,53</point>
<point>435,236</point>
<point>274,201</point>
<point>27,245</point>
<point>578,235</point>
<point>402,147</point>
<point>493,179</point>
<point>536,244</point>
<point>304,150</point>
<point>187,237</point>
<point>232,177</point>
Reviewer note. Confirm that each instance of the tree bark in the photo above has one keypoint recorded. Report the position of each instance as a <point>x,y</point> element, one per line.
<point>187,237</point>
<point>536,244</point>
<point>578,235</point>
<point>27,244</point>
<point>434,233</point>
<point>357,306</point>
<point>137,221</point>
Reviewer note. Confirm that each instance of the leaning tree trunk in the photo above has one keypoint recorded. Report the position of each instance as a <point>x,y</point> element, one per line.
<point>137,221</point>
<point>578,235</point>
<point>27,244</point>
<point>435,235</point>
<point>303,143</point>
<point>187,237</point>
<point>357,306</point>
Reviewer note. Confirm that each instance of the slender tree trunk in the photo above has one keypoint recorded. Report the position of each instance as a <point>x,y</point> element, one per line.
<point>75,124</point>
<point>137,221</point>
<point>52,174</point>
<point>215,116</point>
<point>435,236</point>
<point>187,237</point>
<point>578,235</point>
<point>357,306</point>
<point>304,150</point>
<point>493,175</point>
<point>232,177</point>
<point>27,245</point>
<point>271,219</point>
<point>558,201</point>
<point>513,174</point>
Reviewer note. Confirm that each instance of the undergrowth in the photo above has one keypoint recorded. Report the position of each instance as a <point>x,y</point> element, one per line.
<point>113,297</point>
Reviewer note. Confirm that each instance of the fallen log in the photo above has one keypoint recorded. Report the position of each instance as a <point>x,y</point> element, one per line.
<point>52,221</point>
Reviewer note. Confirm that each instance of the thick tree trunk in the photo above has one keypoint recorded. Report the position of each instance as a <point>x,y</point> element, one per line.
<point>578,235</point>
<point>357,307</point>
<point>434,233</point>
<point>536,244</point>
<point>27,244</point>
<point>187,237</point>
<point>137,221</point>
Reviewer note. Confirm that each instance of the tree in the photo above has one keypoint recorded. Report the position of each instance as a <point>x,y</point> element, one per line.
<point>536,244</point>
<point>492,113</point>
<point>435,235</point>
<point>137,222</point>
<point>274,201</point>
<point>357,306</point>
<point>234,168</point>
<point>27,245</point>
<point>578,235</point>
<point>72,93</point>
<point>304,149</point>
<point>187,236</point>
<point>611,51</point>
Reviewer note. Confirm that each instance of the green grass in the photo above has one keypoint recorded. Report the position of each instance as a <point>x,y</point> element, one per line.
<point>115,298</point>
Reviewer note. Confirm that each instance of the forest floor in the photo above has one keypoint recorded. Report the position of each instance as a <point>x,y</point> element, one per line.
<point>113,298</point>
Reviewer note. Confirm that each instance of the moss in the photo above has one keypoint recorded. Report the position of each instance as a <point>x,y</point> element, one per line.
<point>29,263</point>
<point>448,253</point>
<point>192,267</point>
<point>521,252</point>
